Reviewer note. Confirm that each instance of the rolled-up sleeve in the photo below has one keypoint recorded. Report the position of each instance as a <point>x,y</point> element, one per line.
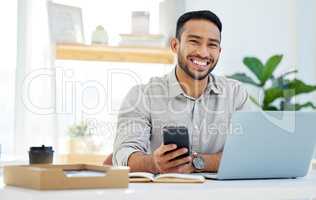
<point>133,127</point>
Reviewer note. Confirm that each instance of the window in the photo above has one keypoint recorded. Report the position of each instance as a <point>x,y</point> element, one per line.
<point>8,19</point>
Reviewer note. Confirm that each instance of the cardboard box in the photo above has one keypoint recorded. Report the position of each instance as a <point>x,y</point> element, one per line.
<point>54,177</point>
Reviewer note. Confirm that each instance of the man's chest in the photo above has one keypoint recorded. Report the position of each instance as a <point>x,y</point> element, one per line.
<point>207,120</point>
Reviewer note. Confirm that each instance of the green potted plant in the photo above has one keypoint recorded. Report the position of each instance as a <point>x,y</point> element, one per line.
<point>278,91</point>
<point>82,139</point>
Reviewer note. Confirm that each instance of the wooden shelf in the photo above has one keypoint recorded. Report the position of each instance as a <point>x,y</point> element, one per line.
<point>116,54</point>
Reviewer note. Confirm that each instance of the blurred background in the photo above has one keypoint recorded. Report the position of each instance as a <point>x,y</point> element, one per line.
<point>68,64</point>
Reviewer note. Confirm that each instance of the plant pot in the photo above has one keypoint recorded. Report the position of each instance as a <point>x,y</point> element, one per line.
<point>80,145</point>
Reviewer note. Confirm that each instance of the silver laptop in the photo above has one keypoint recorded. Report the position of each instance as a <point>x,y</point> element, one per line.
<point>264,145</point>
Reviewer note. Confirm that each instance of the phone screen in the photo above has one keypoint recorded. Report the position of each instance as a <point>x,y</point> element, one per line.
<point>177,135</point>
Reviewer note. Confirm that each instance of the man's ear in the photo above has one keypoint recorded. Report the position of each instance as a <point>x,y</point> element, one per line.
<point>174,45</point>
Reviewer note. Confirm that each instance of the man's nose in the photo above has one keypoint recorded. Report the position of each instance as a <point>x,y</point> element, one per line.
<point>203,51</point>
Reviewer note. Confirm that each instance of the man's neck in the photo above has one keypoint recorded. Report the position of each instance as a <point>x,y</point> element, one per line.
<point>191,87</point>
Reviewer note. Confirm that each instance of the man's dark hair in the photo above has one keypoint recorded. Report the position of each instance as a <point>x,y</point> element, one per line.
<point>201,14</point>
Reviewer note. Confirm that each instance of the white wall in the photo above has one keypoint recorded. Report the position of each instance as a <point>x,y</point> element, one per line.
<point>306,15</point>
<point>254,28</point>
<point>169,12</point>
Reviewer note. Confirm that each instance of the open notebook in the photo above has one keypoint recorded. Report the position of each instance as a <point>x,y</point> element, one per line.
<point>145,177</point>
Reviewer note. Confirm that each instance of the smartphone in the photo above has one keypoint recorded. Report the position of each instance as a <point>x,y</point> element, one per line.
<point>177,135</point>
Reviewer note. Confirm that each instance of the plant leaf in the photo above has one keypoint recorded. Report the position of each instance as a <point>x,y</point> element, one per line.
<point>273,108</point>
<point>243,78</point>
<point>294,87</point>
<point>300,87</point>
<point>255,66</point>
<point>270,66</point>
<point>271,94</point>
<point>305,105</point>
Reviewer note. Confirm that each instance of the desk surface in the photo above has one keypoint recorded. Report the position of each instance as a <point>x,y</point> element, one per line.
<point>301,188</point>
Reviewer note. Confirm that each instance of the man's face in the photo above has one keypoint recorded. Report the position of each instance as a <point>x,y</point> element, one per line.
<point>198,49</point>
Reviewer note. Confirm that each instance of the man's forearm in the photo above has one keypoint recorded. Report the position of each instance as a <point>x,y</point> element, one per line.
<point>140,162</point>
<point>212,161</point>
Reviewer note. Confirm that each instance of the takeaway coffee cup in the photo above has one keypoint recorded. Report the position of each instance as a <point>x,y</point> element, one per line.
<point>41,155</point>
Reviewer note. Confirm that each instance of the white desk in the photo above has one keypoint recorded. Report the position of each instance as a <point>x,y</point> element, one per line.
<point>301,188</point>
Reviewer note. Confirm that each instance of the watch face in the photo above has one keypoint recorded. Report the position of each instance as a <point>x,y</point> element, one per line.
<point>198,163</point>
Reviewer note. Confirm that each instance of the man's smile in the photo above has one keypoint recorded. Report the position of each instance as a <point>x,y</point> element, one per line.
<point>199,64</point>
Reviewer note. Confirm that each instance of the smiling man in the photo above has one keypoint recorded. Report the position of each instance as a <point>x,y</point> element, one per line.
<point>189,96</point>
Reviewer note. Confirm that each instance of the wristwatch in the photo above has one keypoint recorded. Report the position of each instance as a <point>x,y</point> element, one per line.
<point>198,161</point>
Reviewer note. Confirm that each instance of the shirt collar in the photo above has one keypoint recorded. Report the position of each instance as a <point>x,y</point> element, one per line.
<point>175,88</point>
<point>213,85</point>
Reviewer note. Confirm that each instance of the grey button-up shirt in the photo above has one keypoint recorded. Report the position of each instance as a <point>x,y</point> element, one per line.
<point>162,102</point>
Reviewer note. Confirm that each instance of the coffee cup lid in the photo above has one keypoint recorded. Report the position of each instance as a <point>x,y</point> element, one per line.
<point>41,148</point>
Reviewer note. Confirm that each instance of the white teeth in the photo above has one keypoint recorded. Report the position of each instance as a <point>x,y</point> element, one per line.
<point>199,62</point>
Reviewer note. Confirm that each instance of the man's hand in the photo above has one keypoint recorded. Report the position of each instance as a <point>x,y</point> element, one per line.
<point>159,161</point>
<point>165,162</point>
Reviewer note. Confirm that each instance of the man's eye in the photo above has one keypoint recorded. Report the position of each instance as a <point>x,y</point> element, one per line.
<point>213,45</point>
<point>193,41</point>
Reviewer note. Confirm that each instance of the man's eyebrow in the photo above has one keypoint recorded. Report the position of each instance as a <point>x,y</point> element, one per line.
<point>198,37</point>
<point>194,36</point>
